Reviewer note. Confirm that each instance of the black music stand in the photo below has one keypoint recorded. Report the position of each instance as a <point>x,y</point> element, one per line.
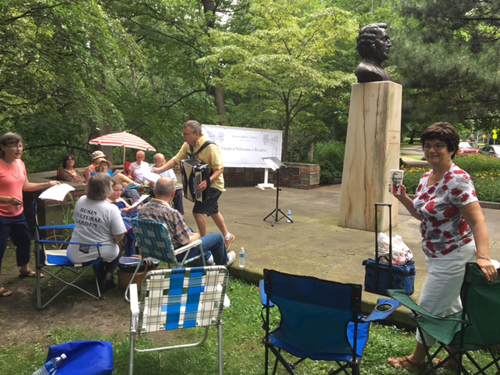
<point>275,164</point>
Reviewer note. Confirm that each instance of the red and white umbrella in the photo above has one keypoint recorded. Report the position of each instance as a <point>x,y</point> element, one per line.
<point>124,139</point>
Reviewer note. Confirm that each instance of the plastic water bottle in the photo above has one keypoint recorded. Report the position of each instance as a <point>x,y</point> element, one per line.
<point>243,258</point>
<point>51,366</point>
<point>289,214</point>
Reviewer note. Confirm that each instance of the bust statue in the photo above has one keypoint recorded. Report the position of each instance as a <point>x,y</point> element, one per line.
<point>373,47</point>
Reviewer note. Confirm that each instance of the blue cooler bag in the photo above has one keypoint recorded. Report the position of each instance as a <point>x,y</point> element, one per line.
<point>382,276</point>
<point>84,357</point>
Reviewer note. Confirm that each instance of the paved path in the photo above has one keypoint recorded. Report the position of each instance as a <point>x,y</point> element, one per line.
<point>314,244</point>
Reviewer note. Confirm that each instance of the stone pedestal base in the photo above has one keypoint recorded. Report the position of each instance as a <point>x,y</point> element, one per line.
<point>372,150</point>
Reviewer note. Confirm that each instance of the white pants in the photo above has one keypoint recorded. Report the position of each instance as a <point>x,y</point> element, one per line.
<point>445,275</point>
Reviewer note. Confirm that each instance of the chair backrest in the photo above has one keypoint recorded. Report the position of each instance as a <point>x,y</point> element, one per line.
<point>182,298</point>
<point>127,167</point>
<point>481,303</point>
<point>315,313</point>
<point>154,240</point>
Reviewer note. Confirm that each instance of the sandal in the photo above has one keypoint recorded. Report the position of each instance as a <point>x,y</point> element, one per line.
<point>25,274</point>
<point>4,292</point>
<point>405,363</point>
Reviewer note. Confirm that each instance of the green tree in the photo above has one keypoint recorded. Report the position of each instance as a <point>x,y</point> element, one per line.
<point>446,54</point>
<point>278,66</point>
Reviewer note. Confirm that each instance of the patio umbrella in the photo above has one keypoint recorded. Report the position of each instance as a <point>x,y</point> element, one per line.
<point>124,139</point>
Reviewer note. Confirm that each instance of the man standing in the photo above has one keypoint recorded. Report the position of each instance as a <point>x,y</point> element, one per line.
<point>138,167</point>
<point>210,155</point>
<point>159,161</point>
<point>158,209</point>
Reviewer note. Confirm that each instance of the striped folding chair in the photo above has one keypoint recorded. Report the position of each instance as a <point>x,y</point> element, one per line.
<point>153,240</point>
<point>174,299</point>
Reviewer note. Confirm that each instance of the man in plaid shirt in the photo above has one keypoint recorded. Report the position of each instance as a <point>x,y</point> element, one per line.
<point>160,211</point>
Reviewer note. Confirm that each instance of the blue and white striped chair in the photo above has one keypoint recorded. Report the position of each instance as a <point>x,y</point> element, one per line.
<point>181,298</point>
<point>56,266</point>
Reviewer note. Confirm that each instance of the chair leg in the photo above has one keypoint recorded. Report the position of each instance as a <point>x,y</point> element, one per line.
<point>131,355</point>
<point>219,329</point>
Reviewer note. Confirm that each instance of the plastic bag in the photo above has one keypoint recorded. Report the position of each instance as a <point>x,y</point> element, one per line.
<point>401,254</point>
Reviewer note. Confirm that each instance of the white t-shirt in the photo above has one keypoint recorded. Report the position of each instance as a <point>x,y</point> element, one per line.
<point>137,171</point>
<point>95,222</point>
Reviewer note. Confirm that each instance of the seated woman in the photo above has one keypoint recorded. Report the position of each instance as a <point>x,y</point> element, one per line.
<point>98,221</point>
<point>104,166</point>
<point>127,214</point>
<point>69,173</point>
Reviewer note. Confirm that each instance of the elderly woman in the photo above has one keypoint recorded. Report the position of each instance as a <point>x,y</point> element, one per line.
<point>453,231</point>
<point>13,181</point>
<point>98,221</point>
<point>69,173</point>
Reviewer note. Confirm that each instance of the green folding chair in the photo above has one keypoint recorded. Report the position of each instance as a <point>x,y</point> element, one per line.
<point>476,327</point>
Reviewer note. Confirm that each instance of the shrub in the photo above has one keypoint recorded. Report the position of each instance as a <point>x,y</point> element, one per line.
<point>484,171</point>
<point>330,157</point>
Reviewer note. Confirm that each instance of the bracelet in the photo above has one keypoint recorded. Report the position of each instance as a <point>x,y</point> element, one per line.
<point>484,258</point>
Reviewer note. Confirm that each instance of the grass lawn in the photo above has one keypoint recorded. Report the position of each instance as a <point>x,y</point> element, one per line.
<point>243,351</point>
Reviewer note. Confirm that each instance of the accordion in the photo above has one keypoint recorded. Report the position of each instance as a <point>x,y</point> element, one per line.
<point>194,171</point>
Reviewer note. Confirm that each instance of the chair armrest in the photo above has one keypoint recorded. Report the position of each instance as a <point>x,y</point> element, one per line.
<point>382,310</point>
<point>263,295</point>
<point>68,243</point>
<point>134,300</point>
<point>185,248</point>
<point>52,227</point>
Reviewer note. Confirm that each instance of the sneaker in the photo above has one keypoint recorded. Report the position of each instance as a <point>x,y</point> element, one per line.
<point>229,241</point>
<point>231,256</point>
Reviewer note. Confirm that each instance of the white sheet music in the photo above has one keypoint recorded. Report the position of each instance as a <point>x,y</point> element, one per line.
<point>141,199</point>
<point>57,193</point>
<point>151,177</point>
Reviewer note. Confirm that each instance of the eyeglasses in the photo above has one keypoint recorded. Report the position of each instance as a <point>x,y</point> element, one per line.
<point>436,147</point>
<point>186,134</point>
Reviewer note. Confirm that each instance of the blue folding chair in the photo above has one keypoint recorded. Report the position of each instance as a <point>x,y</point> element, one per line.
<point>56,266</point>
<point>320,320</point>
<point>174,299</point>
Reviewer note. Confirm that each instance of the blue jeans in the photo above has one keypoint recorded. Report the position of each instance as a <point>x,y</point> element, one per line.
<point>17,229</point>
<point>213,244</point>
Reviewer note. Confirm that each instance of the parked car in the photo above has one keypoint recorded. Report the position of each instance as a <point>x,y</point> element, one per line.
<point>465,148</point>
<point>492,150</point>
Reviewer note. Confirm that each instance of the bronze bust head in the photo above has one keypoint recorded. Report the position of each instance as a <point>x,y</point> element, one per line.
<point>373,47</point>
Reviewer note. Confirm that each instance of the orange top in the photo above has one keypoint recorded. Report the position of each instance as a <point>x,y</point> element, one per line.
<point>12,179</point>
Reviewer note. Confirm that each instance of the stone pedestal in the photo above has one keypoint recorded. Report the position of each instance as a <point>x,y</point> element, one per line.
<point>372,150</point>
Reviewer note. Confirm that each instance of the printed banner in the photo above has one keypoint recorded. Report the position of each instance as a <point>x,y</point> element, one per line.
<point>245,147</point>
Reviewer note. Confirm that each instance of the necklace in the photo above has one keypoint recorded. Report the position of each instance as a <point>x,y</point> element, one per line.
<point>18,171</point>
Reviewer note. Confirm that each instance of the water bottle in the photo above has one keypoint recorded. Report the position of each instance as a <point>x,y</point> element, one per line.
<point>289,214</point>
<point>51,366</point>
<point>243,258</point>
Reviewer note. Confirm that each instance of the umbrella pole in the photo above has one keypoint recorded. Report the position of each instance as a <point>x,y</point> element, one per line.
<point>124,159</point>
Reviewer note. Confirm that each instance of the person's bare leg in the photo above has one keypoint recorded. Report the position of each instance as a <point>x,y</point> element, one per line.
<point>221,224</point>
<point>415,360</point>
<point>201,222</point>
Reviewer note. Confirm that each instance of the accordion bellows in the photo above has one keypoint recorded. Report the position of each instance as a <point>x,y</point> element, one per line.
<point>194,172</point>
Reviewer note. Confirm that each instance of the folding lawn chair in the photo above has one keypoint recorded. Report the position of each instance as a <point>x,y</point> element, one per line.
<point>153,241</point>
<point>320,320</point>
<point>55,264</point>
<point>476,327</point>
<point>173,299</point>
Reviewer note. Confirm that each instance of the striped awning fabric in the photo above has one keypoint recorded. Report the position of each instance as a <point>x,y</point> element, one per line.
<point>122,139</point>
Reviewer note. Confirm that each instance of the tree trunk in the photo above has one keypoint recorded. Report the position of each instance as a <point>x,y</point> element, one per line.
<point>311,153</point>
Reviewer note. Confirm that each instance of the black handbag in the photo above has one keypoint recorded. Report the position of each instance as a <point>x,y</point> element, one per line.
<point>382,276</point>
